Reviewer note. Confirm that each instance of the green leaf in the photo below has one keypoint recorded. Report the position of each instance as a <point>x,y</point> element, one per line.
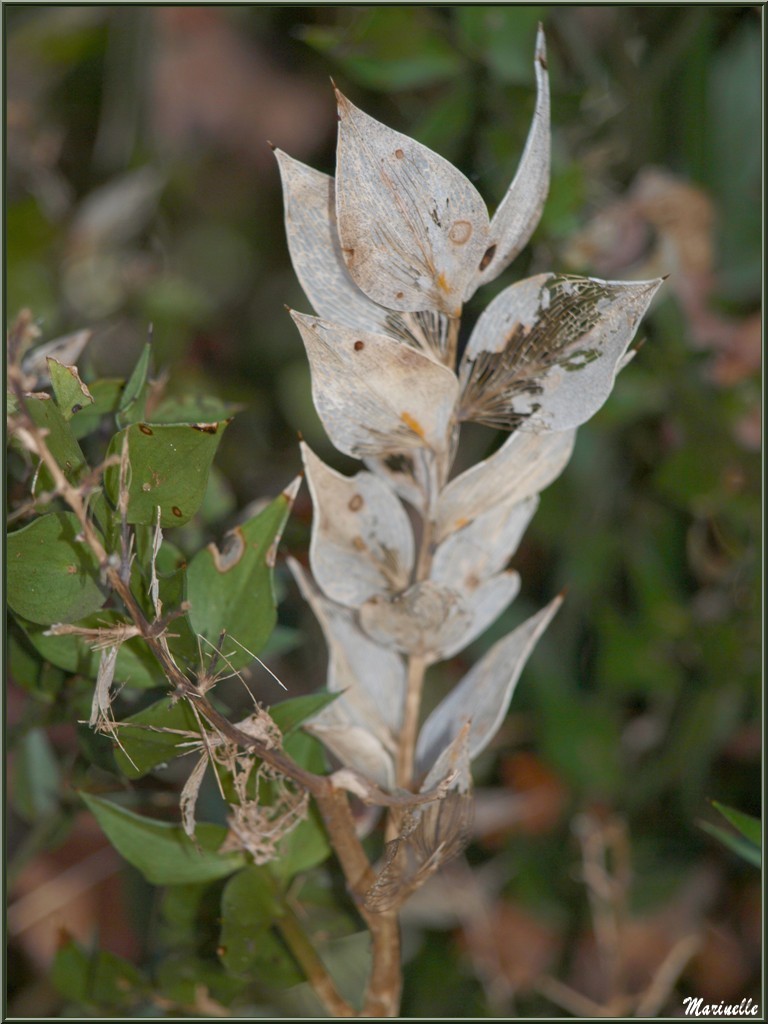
<point>60,440</point>
<point>303,848</point>
<point>193,409</point>
<point>133,402</point>
<point>29,671</point>
<point>348,960</point>
<point>169,468</point>
<point>232,589</point>
<point>748,844</point>
<point>106,395</point>
<point>162,851</point>
<point>52,577</point>
<point>70,392</point>
<point>136,665</point>
<point>737,844</point>
<point>502,37</point>
<point>101,979</point>
<point>289,714</point>
<point>392,49</point>
<point>143,749</point>
<point>249,948</point>
<point>749,826</point>
<point>35,790</point>
<point>306,751</point>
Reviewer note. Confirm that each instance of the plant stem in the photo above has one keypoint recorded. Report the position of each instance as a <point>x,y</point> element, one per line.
<point>301,946</point>
<point>382,998</point>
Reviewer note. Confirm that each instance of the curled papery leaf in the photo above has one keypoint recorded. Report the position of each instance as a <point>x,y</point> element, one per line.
<point>483,695</point>
<point>313,241</point>
<point>453,760</point>
<point>374,396</point>
<point>545,353</point>
<point>423,620</point>
<point>483,605</point>
<point>523,466</point>
<point>413,229</point>
<point>520,209</point>
<point>371,677</point>
<point>362,542</point>
<point>471,554</point>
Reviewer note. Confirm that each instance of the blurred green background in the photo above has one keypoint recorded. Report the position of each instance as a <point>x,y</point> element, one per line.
<point>141,190</point>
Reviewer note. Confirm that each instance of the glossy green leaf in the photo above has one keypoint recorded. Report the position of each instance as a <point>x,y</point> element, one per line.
<point>162,851</point>
<point>169,468</point>
<point>249,948</point>
<point>52,577</point>
<point>136,665</point>
<point>70,392</point>
<point>133,401</point>
<point>231,589</point>
<point>142,748</point>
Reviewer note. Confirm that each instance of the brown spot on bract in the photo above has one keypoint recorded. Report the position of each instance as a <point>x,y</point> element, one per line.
<point>543,62</point>
<point>206,428</point>
<point>76,408</point>
<point>461,232</point>
<point>145,429</point>
<point>359,544</point>
<point>355,503</point>
<point>399,295</point>
<point>442,282</point>
<point>177,511</point>
<point>359,346</point>
<point>413,423</point>
<point>488,255</point>
<point>399,154</point>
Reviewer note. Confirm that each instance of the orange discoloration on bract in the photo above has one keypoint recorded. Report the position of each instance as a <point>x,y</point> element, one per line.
<point>442,283</point>
<point>413,424</point>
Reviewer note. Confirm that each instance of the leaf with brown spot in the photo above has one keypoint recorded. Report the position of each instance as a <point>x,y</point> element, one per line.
<point>381,399</point>
<point>169,466</point>
<point>415,224</point>
<point>362,542</point>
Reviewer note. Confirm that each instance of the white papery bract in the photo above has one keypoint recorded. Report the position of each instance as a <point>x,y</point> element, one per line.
<point>388,252</point>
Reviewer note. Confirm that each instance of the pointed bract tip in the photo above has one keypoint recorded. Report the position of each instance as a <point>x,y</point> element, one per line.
<point>665,277</point>
<point>292,489</point>
<point>271,145</point>
<point>563,594</point>
<point>541,44</point>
